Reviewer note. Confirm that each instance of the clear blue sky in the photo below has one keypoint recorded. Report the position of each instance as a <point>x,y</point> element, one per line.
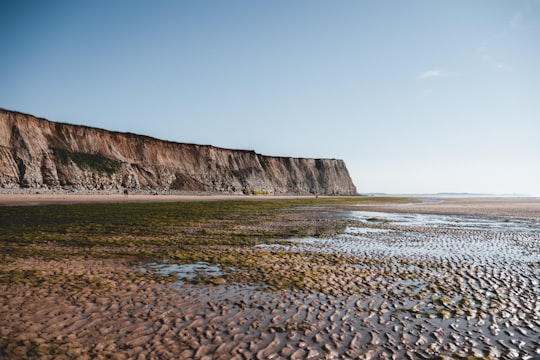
<point>415,96</point>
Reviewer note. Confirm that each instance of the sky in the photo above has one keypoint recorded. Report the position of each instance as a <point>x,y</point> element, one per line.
<point>415,96</point>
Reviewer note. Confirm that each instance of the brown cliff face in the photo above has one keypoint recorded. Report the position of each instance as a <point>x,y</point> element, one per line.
<point>38,153</point>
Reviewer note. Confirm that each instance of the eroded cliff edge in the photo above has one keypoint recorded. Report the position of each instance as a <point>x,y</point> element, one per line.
<point>37,153</point>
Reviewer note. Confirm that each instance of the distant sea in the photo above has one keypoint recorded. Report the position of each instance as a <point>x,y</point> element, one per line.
<point>457,195</point>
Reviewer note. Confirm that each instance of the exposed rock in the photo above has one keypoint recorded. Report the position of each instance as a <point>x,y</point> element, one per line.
<point>37,153</point>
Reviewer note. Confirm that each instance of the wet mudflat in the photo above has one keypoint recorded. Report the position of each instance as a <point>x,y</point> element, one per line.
<point>317,282</point>
<point>438,284</point>
<point>414,286</point>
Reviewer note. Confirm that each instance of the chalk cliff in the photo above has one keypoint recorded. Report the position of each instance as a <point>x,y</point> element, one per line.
<point>37,153</point>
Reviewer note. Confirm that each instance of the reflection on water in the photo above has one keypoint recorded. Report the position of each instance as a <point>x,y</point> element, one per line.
<point>186,271</point>
<point>446,221</point>
<point>467,238</point>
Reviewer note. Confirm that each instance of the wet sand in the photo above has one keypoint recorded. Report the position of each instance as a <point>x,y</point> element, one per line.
<point>508,207</point>
<point>9,199</point>
<point>405,291</point>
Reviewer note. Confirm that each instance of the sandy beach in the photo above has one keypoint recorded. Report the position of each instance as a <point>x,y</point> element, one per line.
<point>77,198</point>
<point>463,284</point>
<point>489,206</point>
<point>485,206</point>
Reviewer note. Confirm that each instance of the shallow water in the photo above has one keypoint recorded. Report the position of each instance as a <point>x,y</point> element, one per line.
<point>474,239</point>
<point>463,222</point>
<point>186,271</point>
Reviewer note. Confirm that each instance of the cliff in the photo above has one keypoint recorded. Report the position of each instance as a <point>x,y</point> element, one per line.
<point>37,153</point>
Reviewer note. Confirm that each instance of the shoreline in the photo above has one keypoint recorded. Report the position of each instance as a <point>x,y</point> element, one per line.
<point>526,207</point>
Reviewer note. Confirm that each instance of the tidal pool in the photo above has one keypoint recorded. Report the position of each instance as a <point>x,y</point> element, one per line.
<point>186,271</point>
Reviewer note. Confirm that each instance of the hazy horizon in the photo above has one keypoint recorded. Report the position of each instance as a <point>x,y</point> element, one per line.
<point>416,97</point>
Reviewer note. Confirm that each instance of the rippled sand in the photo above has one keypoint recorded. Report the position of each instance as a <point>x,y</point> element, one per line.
<point>467,285</point>
<point>414,286</point>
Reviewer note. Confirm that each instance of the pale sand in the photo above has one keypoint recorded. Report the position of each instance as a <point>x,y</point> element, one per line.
<point>385,306</point>
<point>68,198</point>
<point>505,207</point>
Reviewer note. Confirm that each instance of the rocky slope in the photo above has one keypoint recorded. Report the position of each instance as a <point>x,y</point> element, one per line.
<point>37,153</point>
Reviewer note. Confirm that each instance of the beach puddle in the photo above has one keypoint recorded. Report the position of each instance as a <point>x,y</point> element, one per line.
<point>352,230</point>
<point>186,271</point>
